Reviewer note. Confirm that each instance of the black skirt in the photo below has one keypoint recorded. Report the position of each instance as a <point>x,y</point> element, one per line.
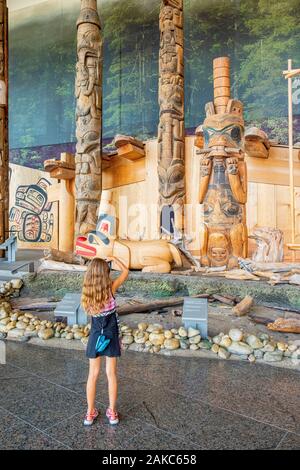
<point>110,328</point>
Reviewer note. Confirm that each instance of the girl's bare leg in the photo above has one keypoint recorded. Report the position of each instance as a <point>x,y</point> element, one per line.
<point>111,372</point>
<point>94,372</point>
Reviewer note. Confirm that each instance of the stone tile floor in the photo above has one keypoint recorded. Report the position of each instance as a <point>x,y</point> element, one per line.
<point>165,403</point>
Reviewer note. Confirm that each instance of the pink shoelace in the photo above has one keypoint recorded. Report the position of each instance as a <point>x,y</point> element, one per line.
<point>112,414</point>
<point>93,415</point>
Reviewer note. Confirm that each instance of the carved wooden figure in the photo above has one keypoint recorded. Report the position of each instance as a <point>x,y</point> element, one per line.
<point>156,256</point>
<point>88,91</point>
<point>223,183</point>
<point>257,143</point>
<point>171,170</point>
<point>149,255</point>
<point>4,183</point>
<point>269,244</point>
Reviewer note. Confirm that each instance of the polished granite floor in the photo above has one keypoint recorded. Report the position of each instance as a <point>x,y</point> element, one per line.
<point>165,403</point>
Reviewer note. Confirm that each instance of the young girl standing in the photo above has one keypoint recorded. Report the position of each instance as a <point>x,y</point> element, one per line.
<point>99,302</point>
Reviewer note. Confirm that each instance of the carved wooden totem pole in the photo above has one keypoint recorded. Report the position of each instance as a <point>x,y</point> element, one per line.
<point>171,123</point>
<point>223,184</point>
<point>4,200</point>
<point>88,91</point>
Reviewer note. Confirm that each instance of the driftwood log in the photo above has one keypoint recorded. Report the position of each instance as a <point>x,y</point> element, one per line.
<point>154,305</point>
<point>244,306</point>
<point>224,300</point>
<point>295,279</point>
<point>260,320</point>
<point>62,256</point>
<point>269,243</point>
<point>36,306</point>
<point>277,267</point>
<point>276,307</point>
<point>285,325</point>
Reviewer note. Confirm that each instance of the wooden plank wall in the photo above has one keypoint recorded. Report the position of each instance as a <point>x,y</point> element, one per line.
<point>136,203</point>
<point>269,205</point>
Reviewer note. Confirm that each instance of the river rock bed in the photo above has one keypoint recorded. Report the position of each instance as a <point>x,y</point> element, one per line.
<point>10,288</point>
<point>153,337</point>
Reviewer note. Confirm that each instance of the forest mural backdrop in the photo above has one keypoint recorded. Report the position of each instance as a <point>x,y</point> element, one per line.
<point>258,35</point>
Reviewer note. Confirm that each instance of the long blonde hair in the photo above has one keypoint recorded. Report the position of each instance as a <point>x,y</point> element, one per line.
<point>97,286</point>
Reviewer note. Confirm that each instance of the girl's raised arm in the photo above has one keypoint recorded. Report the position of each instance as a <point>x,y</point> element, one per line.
<point>123,276</point>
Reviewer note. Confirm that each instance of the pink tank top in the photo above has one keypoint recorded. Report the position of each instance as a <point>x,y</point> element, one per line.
<point>108,308</point>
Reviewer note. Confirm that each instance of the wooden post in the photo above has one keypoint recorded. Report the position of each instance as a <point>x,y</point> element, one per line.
<point>88,92</point>
<point>171,168</point>
<point>289,74</point>
<point>291,160</point>
<point>4,157</point>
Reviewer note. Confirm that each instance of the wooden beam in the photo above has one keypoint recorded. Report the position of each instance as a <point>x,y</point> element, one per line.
<point>52,164</point>
<point>291,159</point>
<point>61,173</point>
<point>293,246</point>
<point>122,174</point>
<point>291,73</point>
<point>131,152</point>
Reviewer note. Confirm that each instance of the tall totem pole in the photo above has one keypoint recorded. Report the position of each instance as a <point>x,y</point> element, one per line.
<point>4,200</point>
<point>88,91</point>
<point>223,175</point>
<point>171,119</point>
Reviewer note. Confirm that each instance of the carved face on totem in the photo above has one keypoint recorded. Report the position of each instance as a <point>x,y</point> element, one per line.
<point>90,42</point>
<point>220,207</point>
<point>171,181</point>
<point>222,134</point>
<point>88,65</point>
<point>166,13</point>
<point>171,93</point>
<point>224,131</point>
<point>218,249</point>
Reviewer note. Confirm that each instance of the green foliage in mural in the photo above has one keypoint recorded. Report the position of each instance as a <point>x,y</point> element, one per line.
<point>42,57</point>
<point>258,35</point>
<point>131,41</point>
